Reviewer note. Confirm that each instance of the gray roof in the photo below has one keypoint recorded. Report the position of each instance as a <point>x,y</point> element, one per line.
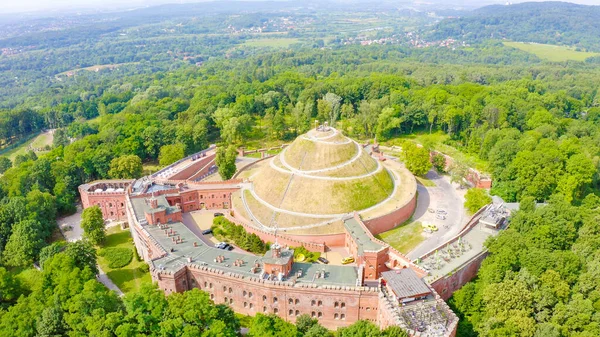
<point>405,283</point>
<point>205,255</point>
<point>361,237</point>
<point>140,206</point>
<point>284,257</point>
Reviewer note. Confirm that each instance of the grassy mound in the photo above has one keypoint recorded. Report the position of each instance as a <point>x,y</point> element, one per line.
<point>117,257</point>
<point>308,155</point>
<point>316,196</point>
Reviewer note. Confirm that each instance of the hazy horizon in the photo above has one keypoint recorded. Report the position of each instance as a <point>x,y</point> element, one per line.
<point>25,6</point>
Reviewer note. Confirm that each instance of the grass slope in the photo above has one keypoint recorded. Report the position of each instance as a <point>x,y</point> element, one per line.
<point>551,52</point>
<point>38,141</point>
<point>130,277</point>
<point>404,238</point>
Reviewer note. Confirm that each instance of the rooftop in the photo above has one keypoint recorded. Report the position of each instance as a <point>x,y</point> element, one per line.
<point>284,256</point>
<point>405,283</point>
<point>454,255</point>
<point>142,206</point>
<point>361,237</point>
<point>207,255</point>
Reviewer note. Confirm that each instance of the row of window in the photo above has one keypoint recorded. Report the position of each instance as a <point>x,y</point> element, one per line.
<point>110,204</point>
<point>192,198</point>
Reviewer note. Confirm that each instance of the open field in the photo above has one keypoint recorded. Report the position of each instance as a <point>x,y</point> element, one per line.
<point>131,277</point>
<point>276,42</point>
<point>35,142</point>
<point>404,238</point>
<point>551,52</point>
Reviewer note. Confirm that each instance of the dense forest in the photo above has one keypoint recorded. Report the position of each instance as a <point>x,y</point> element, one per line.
<point>533,126</point>
<point>558,23</point>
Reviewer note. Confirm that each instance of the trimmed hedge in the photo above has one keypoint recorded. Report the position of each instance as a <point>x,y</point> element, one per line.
<point>116,257</point>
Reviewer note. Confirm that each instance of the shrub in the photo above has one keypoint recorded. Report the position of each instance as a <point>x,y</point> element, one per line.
<point>308,255</point>
<point>116,257</point>
<point>144,268</point>
<point>225,230</point>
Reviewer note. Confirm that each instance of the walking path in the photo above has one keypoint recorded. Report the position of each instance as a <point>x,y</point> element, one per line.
<point>70,227</point>
<point>305,175</point>
<point>104,279</point>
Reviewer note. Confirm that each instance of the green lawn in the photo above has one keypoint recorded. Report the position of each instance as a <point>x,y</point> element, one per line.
<point>129,278</point>
<point>404,238</point>
<point>39,141</point>
<point>271,42</point>
<point>551,52</point>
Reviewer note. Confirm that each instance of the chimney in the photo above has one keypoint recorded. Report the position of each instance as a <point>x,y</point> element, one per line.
<point>276,248</point>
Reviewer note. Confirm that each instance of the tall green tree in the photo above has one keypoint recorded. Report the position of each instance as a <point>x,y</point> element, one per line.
<point>24,244</point>
<point>126,167</point>
<point>225,161</point>
<point>476,198</point>
<point>415,158</point>
<point>92,224</point>
<point>171,153</point>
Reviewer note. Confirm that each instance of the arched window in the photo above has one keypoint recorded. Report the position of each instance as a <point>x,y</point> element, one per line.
<point>290,301</point>
<point>291,312</point>
<point>335,316</point>
<point>320,303</point>
<point>250,294</point>
<point>336,304</point>
<point>274,299</point>
<point>297,301</point>
<point>343,305</point>
<point>297,312</point>
<point>230,290</point>
<point>264,298</point>
<point>343,316</point>
<point>275,311</point>
<point>264,309</point>
<point>313,314</point>
<point>320,314</point>
<point>313,302</point>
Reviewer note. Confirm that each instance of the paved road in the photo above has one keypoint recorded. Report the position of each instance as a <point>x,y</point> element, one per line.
<point>443,196</point>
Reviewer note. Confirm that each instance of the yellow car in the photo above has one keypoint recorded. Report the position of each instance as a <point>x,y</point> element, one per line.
<point>347,260</point>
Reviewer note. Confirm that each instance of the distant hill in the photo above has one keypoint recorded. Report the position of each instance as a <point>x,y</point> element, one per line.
<point>558,23</point>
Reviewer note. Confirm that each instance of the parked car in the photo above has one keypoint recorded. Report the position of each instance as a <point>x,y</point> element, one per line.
<point>230,247</point>
<point>323,260</point>
<point>218,214</point>
<point>226,246</point>
<point>220,245</point>
<point>348,260</point>
<point>207,231</point>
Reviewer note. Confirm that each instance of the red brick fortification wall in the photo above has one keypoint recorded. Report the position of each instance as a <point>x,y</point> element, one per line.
<point>112,204</point>
<point>393,219</point>
<point>447,285</point>
<point>474,177</point>
<point>251,296</point>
